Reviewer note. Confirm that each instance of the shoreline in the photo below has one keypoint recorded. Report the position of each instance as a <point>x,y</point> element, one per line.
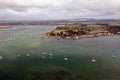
<point>4,27</point>
<point>76,38</point>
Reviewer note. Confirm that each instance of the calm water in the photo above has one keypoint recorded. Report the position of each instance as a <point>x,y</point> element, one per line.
<point>23,53</point>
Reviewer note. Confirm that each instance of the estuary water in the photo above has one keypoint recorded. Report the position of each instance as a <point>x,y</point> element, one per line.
<point>25,56</point>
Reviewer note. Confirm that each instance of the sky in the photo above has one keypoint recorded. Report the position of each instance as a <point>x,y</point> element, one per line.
<point>59,9</point>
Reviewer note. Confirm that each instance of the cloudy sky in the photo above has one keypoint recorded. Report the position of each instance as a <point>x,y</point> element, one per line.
<point>58,9</point>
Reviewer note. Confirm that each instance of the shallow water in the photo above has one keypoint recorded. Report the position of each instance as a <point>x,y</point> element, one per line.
<point>24,53</point>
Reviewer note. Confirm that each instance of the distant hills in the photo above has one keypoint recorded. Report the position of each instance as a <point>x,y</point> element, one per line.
<point>54,22</point>
<point>95,20</point>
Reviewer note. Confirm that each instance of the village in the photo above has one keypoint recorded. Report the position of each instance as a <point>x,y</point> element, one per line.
<point>84,30</point>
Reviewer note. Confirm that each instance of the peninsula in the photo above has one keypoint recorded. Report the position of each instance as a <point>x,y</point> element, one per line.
<point>84,30</point>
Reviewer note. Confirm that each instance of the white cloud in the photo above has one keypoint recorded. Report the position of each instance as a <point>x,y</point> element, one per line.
<point>59,9</point>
